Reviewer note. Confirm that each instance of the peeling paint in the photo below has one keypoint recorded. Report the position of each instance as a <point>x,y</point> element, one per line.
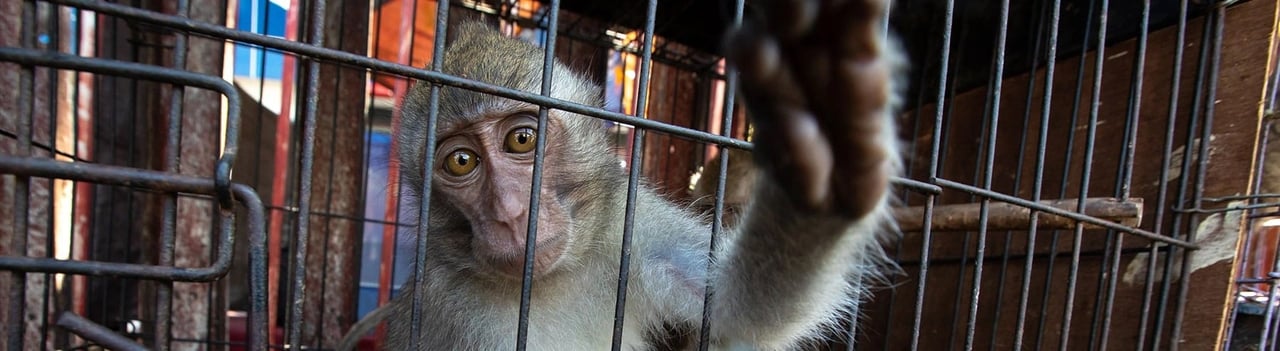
<point>1217,236</point>
<point>1175,158</point>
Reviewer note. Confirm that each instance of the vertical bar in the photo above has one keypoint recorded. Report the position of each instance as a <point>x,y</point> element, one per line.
<point>1218,19</point>
<point>54,85</point>
<point>1260,171</point>
<point>911,151</point>
<point>169,203</point>
<point>1163,192</point>
<point>934,165</point>
<point>633,178</point>
<point>1062,189</point>
<point>1065,177</point>
<point>1124,184</point>
<point>535,189</point>
<point>404,55</point>
<point>958,301</point>
<point>22,185</point>
<point>1193,121</point>
<point>717,220</point>
<point>988,170</point>
<point>429,158</point>
<point>1051,59</point>
<point>1034,42</point>
<point>301,233</point>
<point>1090,137</point>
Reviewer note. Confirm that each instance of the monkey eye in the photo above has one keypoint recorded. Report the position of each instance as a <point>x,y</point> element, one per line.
<point>521,140</point>
<point>461,162</point>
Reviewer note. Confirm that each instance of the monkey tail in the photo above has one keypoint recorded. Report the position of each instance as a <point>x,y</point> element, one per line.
<point>364,326</point>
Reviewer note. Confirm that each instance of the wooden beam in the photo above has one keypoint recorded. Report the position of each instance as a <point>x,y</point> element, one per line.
<point>1006,216</point>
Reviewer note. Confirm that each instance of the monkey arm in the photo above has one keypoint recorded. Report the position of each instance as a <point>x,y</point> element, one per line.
<point>817,77</point>
<point>786,273</point>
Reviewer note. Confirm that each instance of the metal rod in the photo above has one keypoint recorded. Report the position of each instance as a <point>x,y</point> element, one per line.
<point>1091,134</point>
<point>122,176</point>
<point>17,294</point>
<point>1051,59</point>
<point>636,164</point>
<point>424,212</point>
<point>97,333</point>
<point>169,204</point>
<point>717,219</point>
<point>222,172</point>
<point>306,157</point>
<point>1163,182</point>
<point>1218,21</point>
<point>1124,183</point>
<point>1006,216</point>
<point>535,188</point>
<point>1074,215</point>
<point>934,165</point>
<point>1193,122</point>
<point>984,207</point>
<point>349,59</point>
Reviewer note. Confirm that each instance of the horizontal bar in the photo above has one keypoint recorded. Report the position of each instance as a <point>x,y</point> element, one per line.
<point>1069,214</point>
<point>222,171</point>
<point>342,57</point>
<point>350,59</point>
<point>1006,216</point>
<point>96,333</point>
<point>136,178</point>
<point>917,185</point>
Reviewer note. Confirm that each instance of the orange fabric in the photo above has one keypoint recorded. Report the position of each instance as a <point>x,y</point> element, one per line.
<point>392,23</point>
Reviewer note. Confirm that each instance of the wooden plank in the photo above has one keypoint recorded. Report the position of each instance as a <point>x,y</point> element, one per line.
<point>1005,216</point>
<point>949,284</point>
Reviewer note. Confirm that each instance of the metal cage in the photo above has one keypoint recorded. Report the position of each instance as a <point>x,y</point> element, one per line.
<point>1081,174</point>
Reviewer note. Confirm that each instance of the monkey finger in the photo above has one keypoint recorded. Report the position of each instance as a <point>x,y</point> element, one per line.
<point>765,82</point>
<point>860,95</point>
<point>755,54</point>
<point>858,195</point>
<point>803,160</point>
<point>855,27</point>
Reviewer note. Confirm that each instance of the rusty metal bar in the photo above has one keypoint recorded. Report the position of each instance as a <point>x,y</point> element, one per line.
<point>222,173</point>
<point>97,333</point>
<point>1006,216</point>
<point>155,180</point>
<point>350,59</point>
<point>130,177</point>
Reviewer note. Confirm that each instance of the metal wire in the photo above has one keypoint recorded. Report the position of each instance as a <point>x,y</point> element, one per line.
<point>535,188</point>
<point>636,164</point>
<point>433,111</point>
<point>943,83</point>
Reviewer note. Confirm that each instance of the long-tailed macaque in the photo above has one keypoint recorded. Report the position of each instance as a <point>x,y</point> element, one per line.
<point>817,77</point>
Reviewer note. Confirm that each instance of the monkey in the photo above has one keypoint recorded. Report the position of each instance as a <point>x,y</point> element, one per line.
<point>819,81</point>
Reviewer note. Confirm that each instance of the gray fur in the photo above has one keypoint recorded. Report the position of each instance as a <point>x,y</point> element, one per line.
<point>783,280</point>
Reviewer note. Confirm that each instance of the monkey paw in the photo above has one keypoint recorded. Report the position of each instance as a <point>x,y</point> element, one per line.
<point>817,81</point>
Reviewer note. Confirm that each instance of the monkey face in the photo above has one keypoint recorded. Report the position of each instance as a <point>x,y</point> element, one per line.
<point>484,169</point>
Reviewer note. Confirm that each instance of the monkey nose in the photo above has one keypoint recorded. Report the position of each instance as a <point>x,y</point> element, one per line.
<point>509,208</point>
<point>517,227</point>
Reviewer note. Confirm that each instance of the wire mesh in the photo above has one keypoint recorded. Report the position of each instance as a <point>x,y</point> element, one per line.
<point>278,196</point>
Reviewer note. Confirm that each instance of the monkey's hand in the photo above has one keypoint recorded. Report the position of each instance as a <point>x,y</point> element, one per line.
<point>817,82</point>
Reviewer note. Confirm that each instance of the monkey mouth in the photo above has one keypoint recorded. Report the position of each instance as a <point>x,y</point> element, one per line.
<point>509,260</point>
